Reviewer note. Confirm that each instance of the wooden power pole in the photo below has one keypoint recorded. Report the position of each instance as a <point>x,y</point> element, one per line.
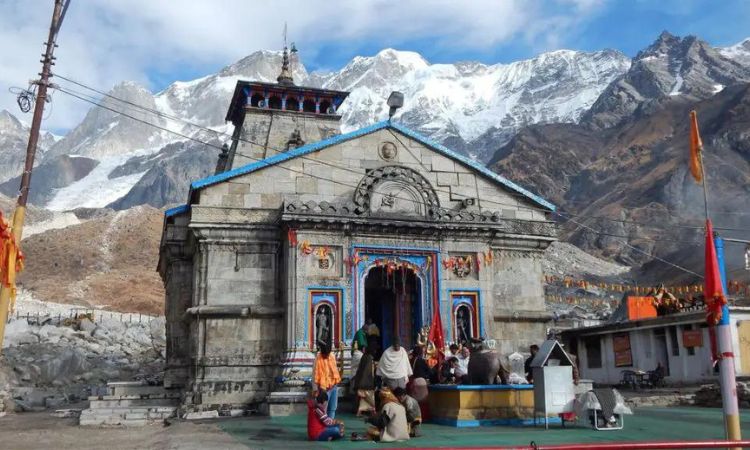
<point>7,292</point>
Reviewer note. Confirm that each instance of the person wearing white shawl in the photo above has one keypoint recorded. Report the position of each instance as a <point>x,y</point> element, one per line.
<point>394,368</point>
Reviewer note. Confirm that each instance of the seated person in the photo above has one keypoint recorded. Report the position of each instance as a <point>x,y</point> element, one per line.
<point>447,373</point>
<point>462,370</point>
<point>390,424</point>
<point>419,365</point>
<point>413,412</point>
<point>320,427</point>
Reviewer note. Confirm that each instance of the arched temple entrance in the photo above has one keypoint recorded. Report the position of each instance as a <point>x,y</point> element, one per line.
<point>393,300</point>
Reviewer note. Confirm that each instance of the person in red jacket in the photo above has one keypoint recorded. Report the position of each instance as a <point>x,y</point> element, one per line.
<point>320,427</point>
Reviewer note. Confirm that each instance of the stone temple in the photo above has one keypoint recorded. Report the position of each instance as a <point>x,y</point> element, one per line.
<point>303,233</point>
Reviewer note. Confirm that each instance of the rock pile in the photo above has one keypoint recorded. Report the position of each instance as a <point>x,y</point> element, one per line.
<point>710,395</point>
<point>52,360</point>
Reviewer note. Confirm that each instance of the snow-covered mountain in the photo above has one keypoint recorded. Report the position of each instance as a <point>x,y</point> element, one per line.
<point>14,136</point>
<point>472,107</point>
<point>671,66</point>
<point>463,101</point>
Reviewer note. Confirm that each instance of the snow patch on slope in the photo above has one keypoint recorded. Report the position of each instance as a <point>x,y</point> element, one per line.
<point>97,190</point>
<point>58,221</point>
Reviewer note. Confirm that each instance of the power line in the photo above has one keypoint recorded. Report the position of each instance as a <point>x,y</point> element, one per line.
<point>95,103</point>
<point>643,224</point>
<point>177,119</point>
<point>73,94</point>
<point>635,248</point>
<point>671,212</point>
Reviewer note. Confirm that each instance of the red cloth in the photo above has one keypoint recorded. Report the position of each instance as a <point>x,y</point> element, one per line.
<point>436,333</point>
<point>314,425</point>
<point>713,291</point>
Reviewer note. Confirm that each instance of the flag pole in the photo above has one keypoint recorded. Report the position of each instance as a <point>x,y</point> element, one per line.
<point>722,330</point>
<point>727,376</point>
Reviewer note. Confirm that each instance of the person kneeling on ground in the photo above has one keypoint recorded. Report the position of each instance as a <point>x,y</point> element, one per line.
<point>320,427</point>
<point>413,413</point>
<point>391,424</point>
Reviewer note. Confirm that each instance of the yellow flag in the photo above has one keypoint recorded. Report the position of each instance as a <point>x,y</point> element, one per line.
<point>696,146</point>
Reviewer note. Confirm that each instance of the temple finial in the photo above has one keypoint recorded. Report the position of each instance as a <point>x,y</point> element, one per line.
<point>285,77</point>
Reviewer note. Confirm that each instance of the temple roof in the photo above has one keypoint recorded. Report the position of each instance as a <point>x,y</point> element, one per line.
<point>238,102</point>
<point>315,146</point>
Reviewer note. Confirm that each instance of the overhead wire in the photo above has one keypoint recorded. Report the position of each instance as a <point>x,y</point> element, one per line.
<point>68,91</point>
<point>644,224</point>
<point>636,248</point>
<point>330,164</point>
<point>93,101</point>
<point>208,144</point>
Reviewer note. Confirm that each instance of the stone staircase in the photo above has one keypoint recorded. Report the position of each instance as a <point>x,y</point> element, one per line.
<point>131,404</point>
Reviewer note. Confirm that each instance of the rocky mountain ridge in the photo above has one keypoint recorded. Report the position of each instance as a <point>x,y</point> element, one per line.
<point>469,106</point>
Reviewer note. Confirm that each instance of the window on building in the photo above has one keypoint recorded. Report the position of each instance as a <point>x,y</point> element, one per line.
<point>292,104</point>
<point>308,105</point>
<point>674,341</point>
<point>690,350</point>
<point>324,105</point>
<point>256,100</point>
<point>593,352</point>
<point>274,102</point>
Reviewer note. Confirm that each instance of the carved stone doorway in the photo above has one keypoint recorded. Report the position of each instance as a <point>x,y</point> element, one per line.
<point>393,302</point>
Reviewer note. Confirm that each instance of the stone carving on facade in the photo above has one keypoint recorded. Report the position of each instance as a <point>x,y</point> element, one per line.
<point>485,219</point>
<point>460,265</point>
<point>388,151</point>
<point>395,190</point>
<point>295,140</point>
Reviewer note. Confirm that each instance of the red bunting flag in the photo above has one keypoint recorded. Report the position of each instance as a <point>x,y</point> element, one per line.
<point>436,333</point>
<point>713,292</point>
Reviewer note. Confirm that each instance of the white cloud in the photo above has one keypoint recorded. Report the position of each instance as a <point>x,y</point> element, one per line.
<point>103,42</point>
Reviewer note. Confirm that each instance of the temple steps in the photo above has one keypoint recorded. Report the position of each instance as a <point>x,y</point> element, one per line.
<point>131,404</point>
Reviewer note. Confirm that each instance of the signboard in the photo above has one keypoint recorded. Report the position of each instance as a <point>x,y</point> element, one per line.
<point>641,308</point>
<point>692,338</point>
<point>621,346</point>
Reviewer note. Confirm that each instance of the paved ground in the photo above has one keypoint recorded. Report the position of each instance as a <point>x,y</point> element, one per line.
<point>41,431</point>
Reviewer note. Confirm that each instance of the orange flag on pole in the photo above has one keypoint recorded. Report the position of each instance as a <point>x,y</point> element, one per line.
<point>696,147</point>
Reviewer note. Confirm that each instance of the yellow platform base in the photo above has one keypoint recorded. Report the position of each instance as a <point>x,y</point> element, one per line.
<point>482,405</point>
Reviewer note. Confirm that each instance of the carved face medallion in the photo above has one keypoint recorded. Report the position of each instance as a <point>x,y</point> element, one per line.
<point>388,151</point>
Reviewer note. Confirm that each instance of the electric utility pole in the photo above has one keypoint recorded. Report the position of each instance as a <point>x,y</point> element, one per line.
<point>48,60</point>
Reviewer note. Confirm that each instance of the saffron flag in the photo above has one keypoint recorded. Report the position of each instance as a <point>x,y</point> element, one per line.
<point>436,333</point>
<point>11,259</point>
<point>713,291</point>
<point>696,147</point>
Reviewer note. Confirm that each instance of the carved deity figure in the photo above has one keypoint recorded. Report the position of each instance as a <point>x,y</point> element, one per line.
<point>462,326</point>
<point>322,325</point>
<point>423,339</point>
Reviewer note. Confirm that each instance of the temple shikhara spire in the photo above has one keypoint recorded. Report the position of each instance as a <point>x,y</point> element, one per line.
<point>285,77</point>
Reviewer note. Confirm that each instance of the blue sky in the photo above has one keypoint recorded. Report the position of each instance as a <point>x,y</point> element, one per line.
<point>155,42</point>
<point>628,26</point>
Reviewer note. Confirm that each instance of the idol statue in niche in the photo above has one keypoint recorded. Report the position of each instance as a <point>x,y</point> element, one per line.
<point>463,325</point>
<point>323,321</point>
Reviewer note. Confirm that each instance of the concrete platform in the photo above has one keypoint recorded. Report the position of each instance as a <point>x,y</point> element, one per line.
<point>648,424</point>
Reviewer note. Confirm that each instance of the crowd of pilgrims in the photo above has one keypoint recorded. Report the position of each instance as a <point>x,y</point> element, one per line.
<point>390,387</point>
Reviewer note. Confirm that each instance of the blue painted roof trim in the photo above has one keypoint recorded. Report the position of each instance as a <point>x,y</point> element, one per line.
<point>315,146</point>
<point>474,165</point>
<point>176,210</point>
